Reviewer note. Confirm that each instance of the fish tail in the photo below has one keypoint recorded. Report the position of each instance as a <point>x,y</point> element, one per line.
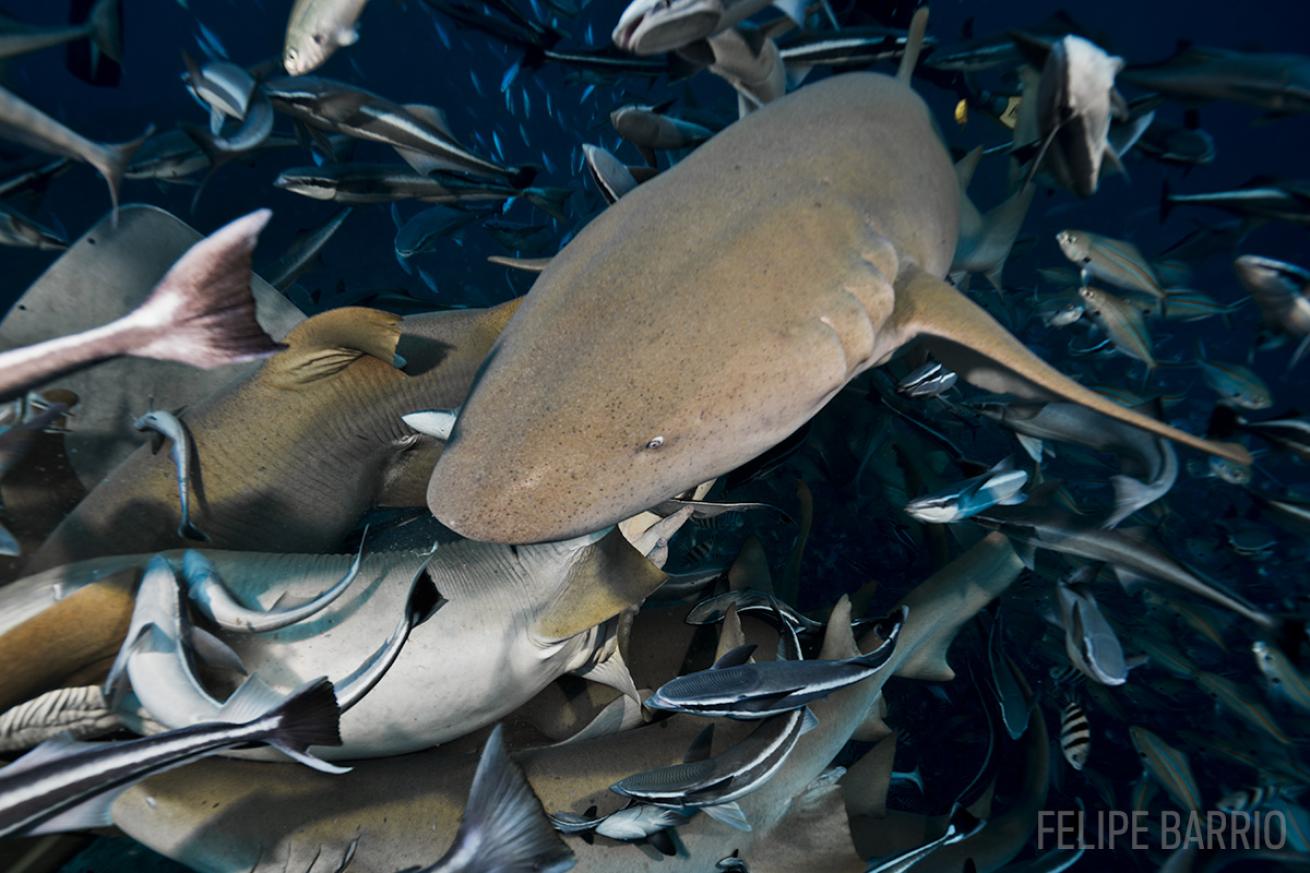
<point>202,312</point>
<point>553,200</point>
<point>112,162</point>
<point>311,716</point>
<point>188,531</point>
<point>505,818</point>
<point>106,28</point>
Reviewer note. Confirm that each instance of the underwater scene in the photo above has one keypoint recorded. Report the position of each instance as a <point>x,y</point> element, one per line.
<point>667,436</point>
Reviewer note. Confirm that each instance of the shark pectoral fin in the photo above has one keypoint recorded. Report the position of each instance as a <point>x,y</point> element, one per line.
<point>874,728</point>
<point>750,571</point>
<point>868,780</point>
<point>730,814</point>
<point>731,637</point>
<point>839,639</point>
<point>612,576</point>
<point>940,605</point>
<point>326,344</point>
<point>966,339</point>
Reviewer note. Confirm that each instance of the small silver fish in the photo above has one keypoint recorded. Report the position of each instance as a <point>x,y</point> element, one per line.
<point>67,785</point>
<point>930,380</point>
<point>171,428</point>
<point>1001,485</point>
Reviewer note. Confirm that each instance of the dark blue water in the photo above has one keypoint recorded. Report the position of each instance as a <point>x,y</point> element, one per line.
<point>402,55</point>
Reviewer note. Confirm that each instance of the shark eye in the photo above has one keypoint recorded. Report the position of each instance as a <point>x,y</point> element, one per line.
<point>318,38</point>
<point>655,442</point>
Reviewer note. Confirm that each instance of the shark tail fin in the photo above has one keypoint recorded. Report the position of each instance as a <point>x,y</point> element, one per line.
<point>913,45</point>
<point>202,312</point>
<point>505,826</point>
<point>965,338</point>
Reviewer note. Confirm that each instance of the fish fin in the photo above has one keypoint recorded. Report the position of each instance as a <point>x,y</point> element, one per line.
<point>1301,349</point>
<point>735,657</point>
<point>750,570</point>
<point>613,671</point>
<point>188,531</point>
<point>302,757</point>
<point>94,813</point>
<point>730,814</point>
<point>731,637</point>
<point>874,728</point>
<point>504,824</point>
<point>251,700</point>
<point>838,638</point>
<point>793,9</point>
<point>966,166</point>
<point>662,842</point>
<point>97,61</point>
<point>52,749</point>
<point>554,201</point>
<point>1033,446</point>
<point>431,115</point>
<point>1130,495</point>
<point>436,423</point>
<point>797,74</point>
<point>327,343</point>
<point>940,605</point>
<point>615,717</point>
<point>966,339</point>
<point>1130,581</point>
<point>913,45</point>
<point>214,651</point>
<point>700,746</point>
<point>988,251</point>
<point>809,721</point>
<point>309,716</point>
<point>425,164</point>
<point>202,312</point>
<point>869,779</point>
<point>527,265</point>
<point>613,577</point>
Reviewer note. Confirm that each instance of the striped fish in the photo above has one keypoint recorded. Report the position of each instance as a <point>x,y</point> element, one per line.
<point>1235,384</point>
<point>1284,679</point>
<point>1122,322</point>
<point>1075,735</point>
<point>1115,261</point>
<point>1168,766</point>
<point>1231,697</point>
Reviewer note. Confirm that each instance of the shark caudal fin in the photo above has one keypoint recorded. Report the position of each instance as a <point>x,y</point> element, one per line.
<point>965,338</point>
<point>504,825</point>
<point>202,312</point>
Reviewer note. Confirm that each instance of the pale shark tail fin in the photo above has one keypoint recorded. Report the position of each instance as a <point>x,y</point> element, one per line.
<point>913,45</point>
<point>969,341</point>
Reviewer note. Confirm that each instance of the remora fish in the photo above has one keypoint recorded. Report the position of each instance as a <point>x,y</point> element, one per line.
<point>69,785</point>
<point>417,132</point>
<point>1262,197</point>
<point>25,124</point>
<point>649,129</point>
<point>567,596</point>
<point>741,690</point>
<point>608,172</point>
<point>19,230</point>
<point>1278,83</point>
<point>174,813</point>
<point>316,29</point>
<point>201,313</point>
<point>169,427</point>
<point>504,828</point>
<point>844,250</point>
<point>380,183</point>
<point>1150,465</point>
<point>649,27</point>
<point>298,256</point>
<point>1001,485</point>
<point>929,380</point>
<point>1073,107</point>
<point>206,590</point>
<point>1282,292</point>
<point>1089,639</point>
<point>1231,697</point>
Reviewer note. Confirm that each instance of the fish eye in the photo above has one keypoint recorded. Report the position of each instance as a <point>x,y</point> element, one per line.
<point>292,54</point>
<point>655,442</point>
<point>318,39</point>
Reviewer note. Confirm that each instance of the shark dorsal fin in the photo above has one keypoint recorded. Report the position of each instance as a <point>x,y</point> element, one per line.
<point>838,639</point>
<point>731,636</point>
<point>326,344</point>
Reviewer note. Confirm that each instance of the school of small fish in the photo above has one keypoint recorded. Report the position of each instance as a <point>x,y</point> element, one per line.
<point>616,575</point>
